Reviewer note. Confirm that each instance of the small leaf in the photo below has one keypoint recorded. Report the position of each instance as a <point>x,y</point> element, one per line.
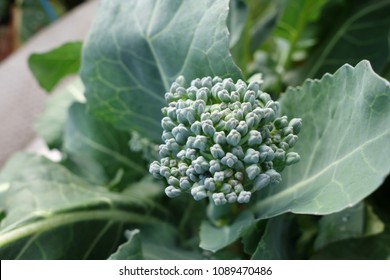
<point>131,250</point>
<point>50,67</point>
<point>373,225</point>
<point>214,239</point>
<point>343,144</point>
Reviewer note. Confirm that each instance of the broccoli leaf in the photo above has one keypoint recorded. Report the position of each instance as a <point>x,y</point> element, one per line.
<point>52,214</point>
<point>344,143</point>
<point>126,74</point>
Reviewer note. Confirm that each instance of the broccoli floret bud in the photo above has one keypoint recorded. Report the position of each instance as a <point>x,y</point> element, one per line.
<point>223,140</point>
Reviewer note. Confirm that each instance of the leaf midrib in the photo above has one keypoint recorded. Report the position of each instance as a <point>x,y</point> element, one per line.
<point>59,220</point>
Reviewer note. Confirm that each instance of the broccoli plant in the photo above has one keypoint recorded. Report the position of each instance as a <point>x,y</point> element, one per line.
<point>210,130</point>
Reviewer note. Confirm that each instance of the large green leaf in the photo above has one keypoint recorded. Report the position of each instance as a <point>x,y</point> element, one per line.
<point>50,124</point>
<point>137,48</point>
<point>344,143</point>
<point>50,67</point>
<point>101,143</point>
<point>52,214</point>
<point>215,238</point>
<point>360,31</point>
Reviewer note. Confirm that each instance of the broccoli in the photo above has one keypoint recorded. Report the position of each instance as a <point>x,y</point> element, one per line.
<point>223,140</point>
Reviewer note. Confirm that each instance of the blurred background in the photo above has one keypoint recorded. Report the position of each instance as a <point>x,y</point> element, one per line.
<point>27,27</point>
<point>22,19</point>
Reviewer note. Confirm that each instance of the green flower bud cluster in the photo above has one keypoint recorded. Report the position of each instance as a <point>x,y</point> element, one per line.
<point>223,140</point>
